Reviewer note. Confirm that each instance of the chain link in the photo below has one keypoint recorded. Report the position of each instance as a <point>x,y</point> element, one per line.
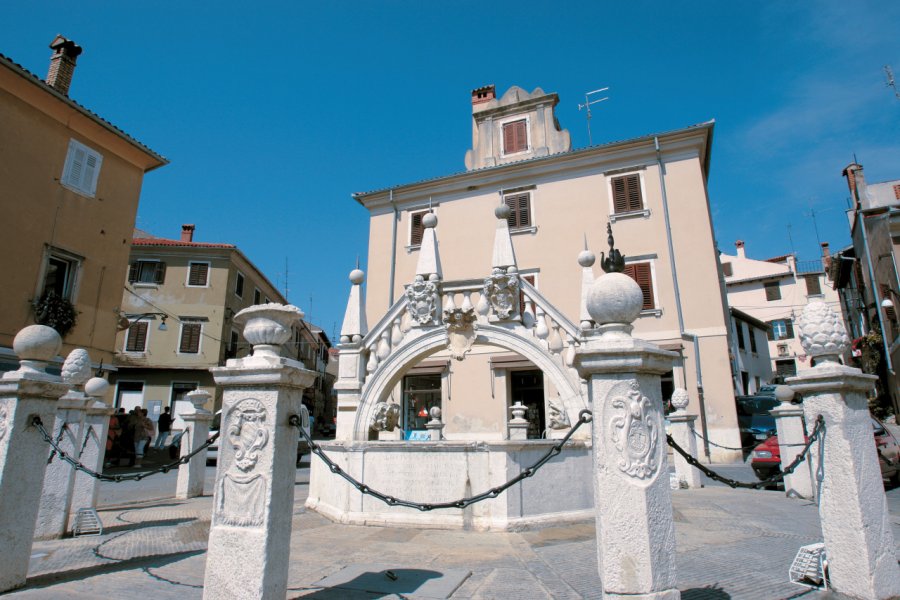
<point>742,448</point>
<point>36,421</point>
<point>584,416</point>
<point>775,478</point>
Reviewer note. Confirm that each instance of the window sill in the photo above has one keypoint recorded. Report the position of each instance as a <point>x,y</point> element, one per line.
<point>412,248</point>
<point>149,286</point>
<point>815,296</point>
<point>630,215</point>
<point>651,312</point>
<point>78,191</point>
<point>522,230</point>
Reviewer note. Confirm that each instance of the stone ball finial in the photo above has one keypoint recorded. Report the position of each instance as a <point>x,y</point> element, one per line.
<point>614,298</point>
<point>586,258</point>
<point>822,332</point>
<point>37,343</point>
<point>502,212</point>
<point>429,220</point>
<point>680,398</point>
<point>357,276</point>
<point>784,393</point>
<point>96,387</point>
<point>435,413</point>
<point>76,370</point>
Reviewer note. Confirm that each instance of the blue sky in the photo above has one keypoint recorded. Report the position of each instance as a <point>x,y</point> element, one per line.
<point>272,115</point>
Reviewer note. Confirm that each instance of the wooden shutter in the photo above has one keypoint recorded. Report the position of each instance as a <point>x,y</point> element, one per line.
<point>727,270</point>
<point>417,230</point>
<point>640,272</point>
<point>198,274</point>
<point>159,276</point>
<point>739,328</point>
<point>190,338</point>
<point>520,210</point>
<point>515,137</point>
<point>133,272</point>
<point>137,337</point>
<point>239,286</point>
<point>773,292</point>
<point>813,287</point>
<point>627,193</point>
<point>789,329</point>
<point>91,171</point>
<point>770,330</point>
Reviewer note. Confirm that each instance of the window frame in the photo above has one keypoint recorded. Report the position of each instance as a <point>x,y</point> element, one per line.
<point>132,323</point>
<point>773,331</point>
<point>644,211</point>
<point>257,296</point>
<point>78,185</point>
<point>509,121</point>
<point>412,228</point>
<point>74,271</point>
<point>515,212</point>
<point>772,285</point>
<point>655,309</point>
<point>159,274</point>
<point>818,284</point>
<point>208,264</point>
<point>190,323</point>
<point>239,278</point>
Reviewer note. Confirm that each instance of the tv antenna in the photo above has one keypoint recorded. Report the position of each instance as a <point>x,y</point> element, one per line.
<point>889,73</point>
<point>587,106</point>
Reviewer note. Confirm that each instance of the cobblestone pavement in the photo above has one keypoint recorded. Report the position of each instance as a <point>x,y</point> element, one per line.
<point>731,544</point>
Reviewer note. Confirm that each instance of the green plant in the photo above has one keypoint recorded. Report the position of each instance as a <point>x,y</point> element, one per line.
<point>56,312</point>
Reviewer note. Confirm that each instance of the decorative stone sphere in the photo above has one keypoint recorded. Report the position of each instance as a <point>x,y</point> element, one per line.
<point>435,413</point>
<point>512,269</point>
<point>357,276</point>
<point>502,212</point>
<point>614,298</point>
<point>37,342</point>
<point>429,220</point>
<point>76,370</point>
<point>268,326</point>
<point>784,393</point>
<point>680,399</point>
<point>586,258</point>
<point>96,387</point>
<point>822,332</point>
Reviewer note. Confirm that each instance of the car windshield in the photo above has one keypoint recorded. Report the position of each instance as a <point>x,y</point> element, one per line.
<point>756,405</point>
<point>762,422</point>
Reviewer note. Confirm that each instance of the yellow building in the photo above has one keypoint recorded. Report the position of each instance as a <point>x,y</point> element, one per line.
<point>69,188</point>
<point>651,189</point>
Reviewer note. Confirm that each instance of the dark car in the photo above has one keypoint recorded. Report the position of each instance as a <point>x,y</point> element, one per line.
<point>766,459</point>
<point>754,420</point>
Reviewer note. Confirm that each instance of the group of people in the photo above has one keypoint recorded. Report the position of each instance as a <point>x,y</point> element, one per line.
<point>131,433</point>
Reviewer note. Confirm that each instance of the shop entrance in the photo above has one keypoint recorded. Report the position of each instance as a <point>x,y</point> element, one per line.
<point>527,387</point>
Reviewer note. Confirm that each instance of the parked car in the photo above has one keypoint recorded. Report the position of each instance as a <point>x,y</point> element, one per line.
<point>212,453</point>
<point>766,459</point>
<point>754,420</point>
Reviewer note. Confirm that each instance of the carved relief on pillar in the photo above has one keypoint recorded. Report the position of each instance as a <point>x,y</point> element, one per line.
<point>558,418</point>
<point>242,493</point>
<point>634,431</point>
<point>421,298</point>
<point>461,332</point>
<point>386,417</point>
<point>502,291</point>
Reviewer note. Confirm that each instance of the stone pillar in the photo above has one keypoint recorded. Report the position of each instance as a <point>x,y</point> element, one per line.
<point>791,438</point>
<point>93,454</point>
<point>59,476</point>
<point>683,434</point>
<point>24,394</point>
<point>351,359</point>
<point>856,526</point>
<point>633,503</point>
<point>518,425</point>
<point>192,474</point>
<point>250,533</point>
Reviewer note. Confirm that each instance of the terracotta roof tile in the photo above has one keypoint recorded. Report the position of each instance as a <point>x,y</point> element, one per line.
<point>165,242</point>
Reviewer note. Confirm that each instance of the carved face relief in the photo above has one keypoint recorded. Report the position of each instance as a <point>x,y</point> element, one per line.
<point>634,433</point>
<point>461,328</point>
<point>247,432</point>
<point>559,419</point>
<point>421,296</point>
<point>386,417</point>
<point>502,291</point>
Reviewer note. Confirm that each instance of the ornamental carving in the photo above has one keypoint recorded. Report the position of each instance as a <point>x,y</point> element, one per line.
<point>387,415</point>
<point>558,419</point>
<point>502,291</point>
<point>634,432</point>
<point>241,500</point>
<point>460,323</point>
<point>421,303</point>
<point>247,432</point>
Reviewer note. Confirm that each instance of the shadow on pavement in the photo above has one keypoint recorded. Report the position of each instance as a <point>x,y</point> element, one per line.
<point>713,592</point>
<point>155,561</point>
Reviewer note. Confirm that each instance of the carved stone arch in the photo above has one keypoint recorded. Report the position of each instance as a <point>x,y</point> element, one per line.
<point>407,355</point>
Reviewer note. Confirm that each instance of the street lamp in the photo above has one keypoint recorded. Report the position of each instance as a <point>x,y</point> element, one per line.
<point>126,320</point>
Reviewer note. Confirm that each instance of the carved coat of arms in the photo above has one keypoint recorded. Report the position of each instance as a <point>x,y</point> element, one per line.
<point>634,432</point>
<point>460,331</point>
<point>421,296</point>
<point>241,493</point>
<point>502,291</point>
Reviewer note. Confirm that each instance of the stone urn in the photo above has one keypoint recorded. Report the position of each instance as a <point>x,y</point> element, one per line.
<point>268,326</point>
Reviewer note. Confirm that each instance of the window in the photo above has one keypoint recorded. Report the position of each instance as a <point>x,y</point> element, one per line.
<point>198,274</point>
<point>780,329</point>
<point>773,291</point>
<point>626,192</point>
<point>785,368</point>
<point>60,274</point>
<point>232,348</point>
<point>752,333</point>
<point>239,286</point>
<point>190,338</point>
<point>136,338</point>
<point>813,287</point>
<point>257,296</point>
<point>147,271</point>
<point>420,394</point>
<point>515,136</point>
<point>727,270</point>
<point>81,169</point>
<point>520,209</point>
<point>642,274</point>
<point>416,229</point>
<point>740,334</point>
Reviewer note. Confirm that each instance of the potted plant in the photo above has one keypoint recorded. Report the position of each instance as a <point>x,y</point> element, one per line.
<point>56,312</point>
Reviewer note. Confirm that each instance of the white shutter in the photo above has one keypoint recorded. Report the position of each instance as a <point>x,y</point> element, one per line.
<point>82,168</point>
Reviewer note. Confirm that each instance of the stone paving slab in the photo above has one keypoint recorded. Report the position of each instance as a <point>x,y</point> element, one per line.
<point>731,544</point>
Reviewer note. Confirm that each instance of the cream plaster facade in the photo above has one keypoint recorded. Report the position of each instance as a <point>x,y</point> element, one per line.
<point>570,197</point>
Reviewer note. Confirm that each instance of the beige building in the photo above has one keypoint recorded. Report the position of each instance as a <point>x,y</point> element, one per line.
<point>69,187</point>
<point>775,292</point>
<point>651,189</point>
<point>176,322</point>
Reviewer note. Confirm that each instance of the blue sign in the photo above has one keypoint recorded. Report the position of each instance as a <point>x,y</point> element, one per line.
<point>418,435</point>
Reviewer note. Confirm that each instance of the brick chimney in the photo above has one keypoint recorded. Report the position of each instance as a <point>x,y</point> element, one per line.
<point>826,256</point>
<point>856,182</point>
<point>483,94</point>
<point>62,64</point>
<point>187,233</point>
<point>740,248</point>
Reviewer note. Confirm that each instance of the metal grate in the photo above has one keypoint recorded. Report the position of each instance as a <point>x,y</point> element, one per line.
<point>87,522</point>
<point>809,567</point>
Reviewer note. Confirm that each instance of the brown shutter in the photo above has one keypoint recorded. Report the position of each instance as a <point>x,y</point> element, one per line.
<point>620,205</point>
<point>640,272</point>
<point>520,210</point>
<point>789,329</point>
<point>509,138</point>
<point>190,338</point>
<point>137,337</point>
<point>633,184</point>
<point>417,230</point>
<point>770,331</point>
<point>627,193</point>
<point>727,270</point>
<point>198,274</point>
<point>812,285</point>
<point>160,275</point>
<point>132,272</point>
<point>515,137</point>
<point>773,292</point>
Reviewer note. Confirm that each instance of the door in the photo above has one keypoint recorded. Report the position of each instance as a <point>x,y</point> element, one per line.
<point>527,387</point>
<point>179,404</point>
<point>130,395</point>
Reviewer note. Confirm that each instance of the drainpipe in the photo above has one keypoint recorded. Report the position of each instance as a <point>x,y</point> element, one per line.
<point>684,336</point>
<point>393,250</point>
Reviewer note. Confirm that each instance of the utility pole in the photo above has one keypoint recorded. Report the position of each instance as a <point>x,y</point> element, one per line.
<point>889,73</point>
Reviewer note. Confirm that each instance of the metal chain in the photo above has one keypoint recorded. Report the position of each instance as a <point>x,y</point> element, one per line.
<point>584,416</point>
<point>62,430</point>
<point>741,448</point>
<point>36,421</point>
<point>819,429</point>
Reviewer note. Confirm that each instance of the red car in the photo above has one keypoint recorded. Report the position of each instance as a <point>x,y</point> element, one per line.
<point>766,457</point>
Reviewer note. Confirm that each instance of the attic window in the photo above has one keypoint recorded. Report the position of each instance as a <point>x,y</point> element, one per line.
<point>515,137</point>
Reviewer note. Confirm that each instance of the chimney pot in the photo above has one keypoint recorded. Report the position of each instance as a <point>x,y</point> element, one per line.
<point>483,94</point>
<point>187,233</point>
<point>740,248</point>
<point>62,64</point>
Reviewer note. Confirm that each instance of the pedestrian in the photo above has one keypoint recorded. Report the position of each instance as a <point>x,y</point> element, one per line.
<point>165,426</point>
<point>112,440</point>
<point>126,437</point>
<point>143,433</point>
